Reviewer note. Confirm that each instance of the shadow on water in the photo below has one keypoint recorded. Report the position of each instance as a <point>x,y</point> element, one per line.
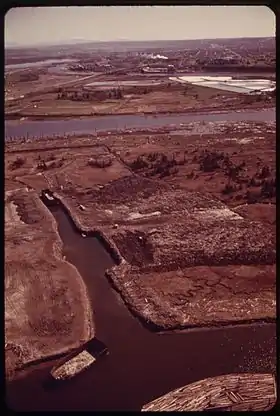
<point>141,365</point>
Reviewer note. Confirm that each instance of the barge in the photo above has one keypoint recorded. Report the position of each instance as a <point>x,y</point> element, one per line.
<point>48,198</point>
<point>79,360</point>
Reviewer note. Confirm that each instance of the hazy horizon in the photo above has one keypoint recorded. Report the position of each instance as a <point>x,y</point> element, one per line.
<point>30,26</point>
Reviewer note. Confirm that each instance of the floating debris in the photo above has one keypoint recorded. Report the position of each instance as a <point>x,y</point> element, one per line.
<point>137,215</point>
<point>48,197</point>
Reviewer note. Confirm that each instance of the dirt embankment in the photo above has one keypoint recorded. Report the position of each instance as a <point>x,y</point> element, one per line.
<point>47,311</point>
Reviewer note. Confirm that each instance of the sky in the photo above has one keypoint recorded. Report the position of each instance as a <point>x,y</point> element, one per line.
<point>53,25</point>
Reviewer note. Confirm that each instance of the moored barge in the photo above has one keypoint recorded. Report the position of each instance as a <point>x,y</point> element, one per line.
<point>79,360</point>
<point>48,198</point>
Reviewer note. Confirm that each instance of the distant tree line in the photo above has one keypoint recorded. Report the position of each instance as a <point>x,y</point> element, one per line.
<point>114,93</point>
<point>157,164</point>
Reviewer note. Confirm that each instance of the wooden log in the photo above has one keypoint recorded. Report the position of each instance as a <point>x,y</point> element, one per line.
<point>233,391</point>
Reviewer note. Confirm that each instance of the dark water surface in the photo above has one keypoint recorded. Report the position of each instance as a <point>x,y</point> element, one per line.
<point>47,128</point>
<point>141,365</point>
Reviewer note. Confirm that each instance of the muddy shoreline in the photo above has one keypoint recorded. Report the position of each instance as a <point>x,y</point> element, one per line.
<point>200,111</point>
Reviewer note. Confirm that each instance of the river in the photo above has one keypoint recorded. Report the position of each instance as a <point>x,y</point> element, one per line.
<point>141,365</point>
<point>35,64</point>
<point>47,128</point>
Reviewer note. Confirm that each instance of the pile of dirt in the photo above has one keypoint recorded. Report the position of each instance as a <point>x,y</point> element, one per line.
<point>134,246</point>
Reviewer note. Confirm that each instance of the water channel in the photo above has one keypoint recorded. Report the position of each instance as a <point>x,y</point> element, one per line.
<point>141,365</point>
<point>47,128</point>
<point>35,64</point>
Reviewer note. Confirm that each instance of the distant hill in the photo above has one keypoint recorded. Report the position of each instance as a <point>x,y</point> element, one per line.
<point>137,45</point>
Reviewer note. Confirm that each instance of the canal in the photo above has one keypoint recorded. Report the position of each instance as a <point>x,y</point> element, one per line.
<point>141,365</point>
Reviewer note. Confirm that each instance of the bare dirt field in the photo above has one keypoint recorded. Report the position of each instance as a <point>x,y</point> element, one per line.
<point>30,82</point>
<point>47,311</point>
<point>168,97</point>
<point>32,90</point>
<point>236,166</point>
